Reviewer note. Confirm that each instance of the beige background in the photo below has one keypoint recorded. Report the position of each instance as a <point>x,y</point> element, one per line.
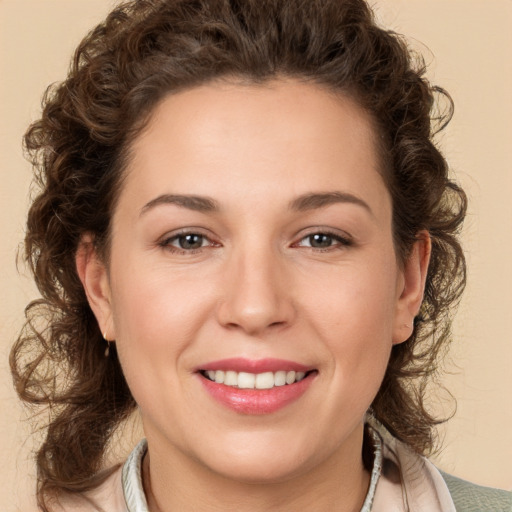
<point>470,44</point>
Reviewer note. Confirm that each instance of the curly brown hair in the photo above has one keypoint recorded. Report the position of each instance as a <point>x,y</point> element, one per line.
<point>141,52</point>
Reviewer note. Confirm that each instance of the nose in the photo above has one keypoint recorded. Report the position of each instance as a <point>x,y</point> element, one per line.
<point>256,294</point>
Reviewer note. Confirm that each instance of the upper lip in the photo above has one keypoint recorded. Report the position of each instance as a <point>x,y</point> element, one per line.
<point>240,364</point>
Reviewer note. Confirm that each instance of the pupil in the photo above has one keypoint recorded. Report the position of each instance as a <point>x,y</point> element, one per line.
<point>320,240</point>
<point>191,241</point>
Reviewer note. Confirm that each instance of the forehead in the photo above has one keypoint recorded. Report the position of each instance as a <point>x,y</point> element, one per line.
<point>269,138</point>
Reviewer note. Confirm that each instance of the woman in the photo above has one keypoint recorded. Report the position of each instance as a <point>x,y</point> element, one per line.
<point>244,230</point>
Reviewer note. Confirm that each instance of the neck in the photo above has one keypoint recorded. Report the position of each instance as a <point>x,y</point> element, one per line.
<point>338,484</point>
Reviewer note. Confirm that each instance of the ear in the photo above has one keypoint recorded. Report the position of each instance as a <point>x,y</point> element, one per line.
<point>411,287</point>
<point>94,277</point>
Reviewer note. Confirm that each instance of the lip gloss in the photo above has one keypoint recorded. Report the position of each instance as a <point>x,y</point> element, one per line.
<point>256,401</point>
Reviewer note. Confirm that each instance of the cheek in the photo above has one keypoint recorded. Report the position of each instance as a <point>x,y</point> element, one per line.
<point>157,312</point>
<point>354,316</point>
<point>357,299</point>
<point>156,324</point>
<point>156,320</point>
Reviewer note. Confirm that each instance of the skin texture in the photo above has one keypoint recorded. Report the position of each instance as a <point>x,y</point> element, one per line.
<point>256,288</point>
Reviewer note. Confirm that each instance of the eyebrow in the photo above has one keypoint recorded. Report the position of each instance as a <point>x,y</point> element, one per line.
<point>196,203</point>
<point>313,201</point>
<point>305,202</point>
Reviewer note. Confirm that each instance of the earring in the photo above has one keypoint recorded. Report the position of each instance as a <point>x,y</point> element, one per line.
<point>107,350</point>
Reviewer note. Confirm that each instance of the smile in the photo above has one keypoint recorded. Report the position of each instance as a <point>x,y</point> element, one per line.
<point>256,386</point>
<point>245,380</point>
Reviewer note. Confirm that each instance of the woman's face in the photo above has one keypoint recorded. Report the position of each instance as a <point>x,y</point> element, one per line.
<point>253,237</point>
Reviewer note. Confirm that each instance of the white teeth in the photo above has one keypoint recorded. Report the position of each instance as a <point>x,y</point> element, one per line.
<point>299,376</point>
<point>245,380</point>
<point>290,377</point>
<point>280,378</point>
<point>231,378</point>
<point>264,380</point>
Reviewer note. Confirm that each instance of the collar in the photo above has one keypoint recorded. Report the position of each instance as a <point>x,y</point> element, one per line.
<point>401,480</point>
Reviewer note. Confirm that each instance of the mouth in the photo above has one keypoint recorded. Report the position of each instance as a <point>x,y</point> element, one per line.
<point>256,386</point>
<point>246,380</point>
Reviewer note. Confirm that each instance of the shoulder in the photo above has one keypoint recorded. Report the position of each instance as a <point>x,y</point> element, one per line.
<point>469,497</point>
<point>427,488</point>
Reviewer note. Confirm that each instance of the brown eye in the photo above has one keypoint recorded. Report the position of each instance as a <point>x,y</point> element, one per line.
<point>320,240</point>
<point>189,241</point>
<point>186,242</point>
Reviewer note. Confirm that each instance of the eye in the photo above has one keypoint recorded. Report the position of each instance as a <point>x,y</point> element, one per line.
<point>189,241</point>
<point>323,240</point>
<point>320,240</point>
<point>186,242</point>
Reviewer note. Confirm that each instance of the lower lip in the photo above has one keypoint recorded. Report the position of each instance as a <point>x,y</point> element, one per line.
<point>257,401</point>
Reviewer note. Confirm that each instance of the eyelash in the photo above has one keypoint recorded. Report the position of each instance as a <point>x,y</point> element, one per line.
<point>341,241</point>
<point>166,243</point>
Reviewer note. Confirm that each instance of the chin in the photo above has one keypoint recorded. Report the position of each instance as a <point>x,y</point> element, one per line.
<point>260,470</point>
<point>262,459</point>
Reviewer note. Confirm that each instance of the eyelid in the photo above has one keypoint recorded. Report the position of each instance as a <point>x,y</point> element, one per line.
<point>165,241</point>
<point>343,238</point>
